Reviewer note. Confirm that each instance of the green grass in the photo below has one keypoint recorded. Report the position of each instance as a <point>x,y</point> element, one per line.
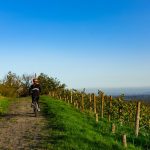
<point>4,103</point>
<point>70,129</point>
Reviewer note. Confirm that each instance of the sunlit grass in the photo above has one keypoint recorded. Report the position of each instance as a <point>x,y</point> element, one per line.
<point>71,129</point>
<point>4,103</point>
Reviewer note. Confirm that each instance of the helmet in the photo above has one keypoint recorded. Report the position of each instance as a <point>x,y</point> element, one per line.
<point>35,80</point>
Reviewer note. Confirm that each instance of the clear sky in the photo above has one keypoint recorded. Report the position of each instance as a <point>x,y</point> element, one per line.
<point>84,43</point>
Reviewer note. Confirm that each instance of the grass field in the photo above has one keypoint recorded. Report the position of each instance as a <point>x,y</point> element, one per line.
<point>4,103</point>
<point>72,130</point>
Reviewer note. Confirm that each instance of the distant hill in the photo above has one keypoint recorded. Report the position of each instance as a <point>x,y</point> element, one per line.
<point>119,91</point>
<point>145,98</point>
<point>147,93</point>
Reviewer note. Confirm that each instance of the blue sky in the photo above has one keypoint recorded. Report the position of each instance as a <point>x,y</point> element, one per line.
<point>92,43</point>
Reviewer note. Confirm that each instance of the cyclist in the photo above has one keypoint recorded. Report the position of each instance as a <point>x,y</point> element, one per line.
<point>35,90</point>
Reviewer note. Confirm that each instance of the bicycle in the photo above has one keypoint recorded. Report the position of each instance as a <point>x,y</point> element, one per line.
<point>35,107</point>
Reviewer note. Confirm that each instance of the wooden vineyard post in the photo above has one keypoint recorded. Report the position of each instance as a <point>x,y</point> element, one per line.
<point>113,128</point>
<point>82,102</point>
<point>102,106</point>
<point>53,94</point>
<point>137,119</point>
<point>96,115</point>
<point>65,97</point>
<point>94,97</point>
<point>77,105</point>
<point>71,97</point>
<point>90,102</point>
<point>110,107</point>
<point>74,99</point>
<point>68,100</point>
<point>124,140</point>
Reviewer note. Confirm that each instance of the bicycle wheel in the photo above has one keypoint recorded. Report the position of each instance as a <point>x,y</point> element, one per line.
<point>35,109</point>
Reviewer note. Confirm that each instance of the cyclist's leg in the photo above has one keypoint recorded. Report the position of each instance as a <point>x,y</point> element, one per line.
<point>37,100</point>
<point>32,100</point>
<point>33,97</point>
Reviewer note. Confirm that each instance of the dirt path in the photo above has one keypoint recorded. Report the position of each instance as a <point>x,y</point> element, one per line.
<point>20,130</point>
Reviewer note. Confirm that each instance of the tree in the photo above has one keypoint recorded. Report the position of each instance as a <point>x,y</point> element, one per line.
<point>49,84</point>
<point>16,86</point>
<point>10,84</point>
<point>23,90</point>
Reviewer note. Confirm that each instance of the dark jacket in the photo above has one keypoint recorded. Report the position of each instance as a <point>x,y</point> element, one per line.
<point>35,90</point>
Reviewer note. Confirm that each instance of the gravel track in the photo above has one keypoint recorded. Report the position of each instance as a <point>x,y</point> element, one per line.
<point>20,130</point>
